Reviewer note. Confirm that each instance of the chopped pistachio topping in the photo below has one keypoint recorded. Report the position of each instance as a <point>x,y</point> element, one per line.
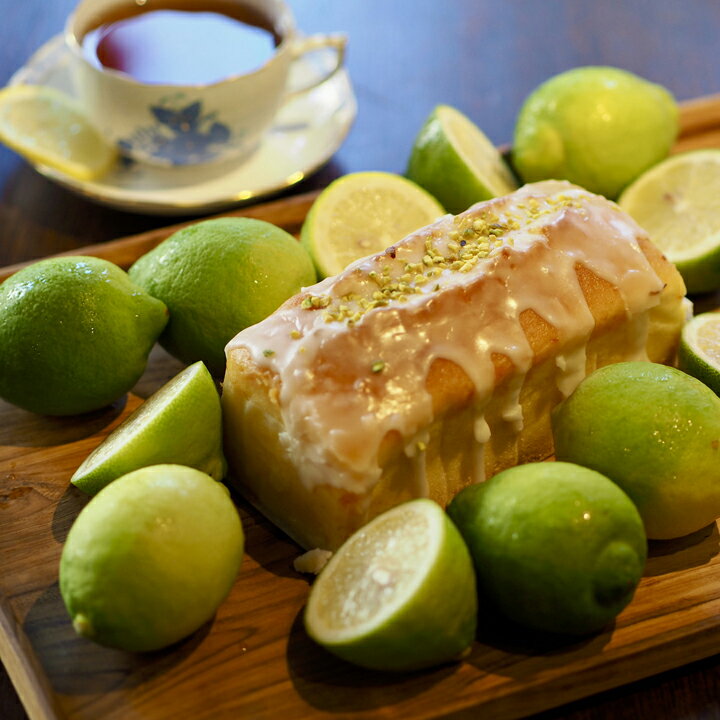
<point>313,302</point>
<point>378,366</point>
<point>268,353</point>
<point>471,239</point>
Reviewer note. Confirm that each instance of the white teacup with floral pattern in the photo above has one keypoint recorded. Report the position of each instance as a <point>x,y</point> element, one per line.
<point>192,124</point>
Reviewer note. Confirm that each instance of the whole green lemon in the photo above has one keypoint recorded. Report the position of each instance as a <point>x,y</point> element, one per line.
<point>557,547</point>
<point>75,334</point>
<point>151,557</point>
<point>217,277</point>
<point>599,127</point>
<point>654,431</point>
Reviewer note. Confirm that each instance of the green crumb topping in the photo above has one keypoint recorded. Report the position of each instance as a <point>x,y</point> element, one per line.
<point>378,366</point>
<point>268,353</point>
<point>471,238</point>
<point>315,302</point>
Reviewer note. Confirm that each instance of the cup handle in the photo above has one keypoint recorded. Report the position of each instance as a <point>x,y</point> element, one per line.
<point>303,46</point>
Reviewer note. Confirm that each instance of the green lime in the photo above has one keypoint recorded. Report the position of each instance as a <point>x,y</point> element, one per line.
<point>557,547</point>
<point>399,594</point>
<point>180,424</point>
<point>454,160</point>
<point>217,277</point>
<point>653,430</point>
<point>599,127</point>
<point>676,203</point>
<point>75,334</point>
<point>150,558</point>
<point>361,214</point>
<point>48,127</point>
<point>699,352</point>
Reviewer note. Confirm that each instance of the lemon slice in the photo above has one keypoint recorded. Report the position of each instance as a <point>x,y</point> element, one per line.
<point>48,127</point>
<point>699,352</point>
<point>676,202</point>
<point>454,160</point>
<point>180,424</point>
<point>399,594</point>
<point>361,214</point>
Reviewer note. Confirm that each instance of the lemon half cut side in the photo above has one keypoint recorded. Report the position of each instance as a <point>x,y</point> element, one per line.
<point>699,351</point>
<point>48,128</point>
<point>399,594</point>
<point>676,203</point>
<point>361,214</point>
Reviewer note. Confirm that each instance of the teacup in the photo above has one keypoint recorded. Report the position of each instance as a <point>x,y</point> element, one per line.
<point>171,123</point>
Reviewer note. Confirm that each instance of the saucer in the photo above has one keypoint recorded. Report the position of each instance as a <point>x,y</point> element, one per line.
<point>307,132</point>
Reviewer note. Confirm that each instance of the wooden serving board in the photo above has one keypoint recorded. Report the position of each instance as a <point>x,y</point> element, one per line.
<point>254,659</point>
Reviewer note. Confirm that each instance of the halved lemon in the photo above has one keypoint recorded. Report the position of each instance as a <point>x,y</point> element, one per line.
<point>361,214</point>
<point>399,594</point>
<point>676,203</point>
<point>699,352</point>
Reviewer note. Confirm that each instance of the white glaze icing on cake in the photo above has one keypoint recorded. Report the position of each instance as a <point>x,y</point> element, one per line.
<point>353,352</point>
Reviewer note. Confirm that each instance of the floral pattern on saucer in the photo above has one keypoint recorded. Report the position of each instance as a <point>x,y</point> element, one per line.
<point>307,131</point>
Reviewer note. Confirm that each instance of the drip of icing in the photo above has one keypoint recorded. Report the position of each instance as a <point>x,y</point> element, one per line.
<point>512,411</point>
<point>638,335</point>
<point>572,365</point>
<point>353,352</point>
<point>481,433</point>
<point>481,430</point>
<point>416,451</point>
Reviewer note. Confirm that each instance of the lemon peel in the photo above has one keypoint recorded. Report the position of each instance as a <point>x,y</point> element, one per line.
<point>217,277</point>
<point>609,124</point>
<point>655,432</point>
<point>150,558</point>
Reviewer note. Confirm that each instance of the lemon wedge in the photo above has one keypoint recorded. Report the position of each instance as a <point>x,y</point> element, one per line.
<point>47,127</point>
<point>180,424</point>
<point>456,162</point>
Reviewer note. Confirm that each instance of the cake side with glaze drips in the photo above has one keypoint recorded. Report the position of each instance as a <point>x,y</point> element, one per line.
<point>436,363</point>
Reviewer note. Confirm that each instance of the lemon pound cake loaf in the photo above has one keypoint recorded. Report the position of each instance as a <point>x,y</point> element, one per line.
<point>437,363</point>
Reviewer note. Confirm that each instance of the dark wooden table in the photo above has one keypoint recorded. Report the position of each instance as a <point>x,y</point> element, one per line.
<point>406,56</point>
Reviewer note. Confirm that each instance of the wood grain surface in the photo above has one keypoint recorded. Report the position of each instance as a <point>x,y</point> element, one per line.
<point>405,56</point>
<point>254,660</point>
